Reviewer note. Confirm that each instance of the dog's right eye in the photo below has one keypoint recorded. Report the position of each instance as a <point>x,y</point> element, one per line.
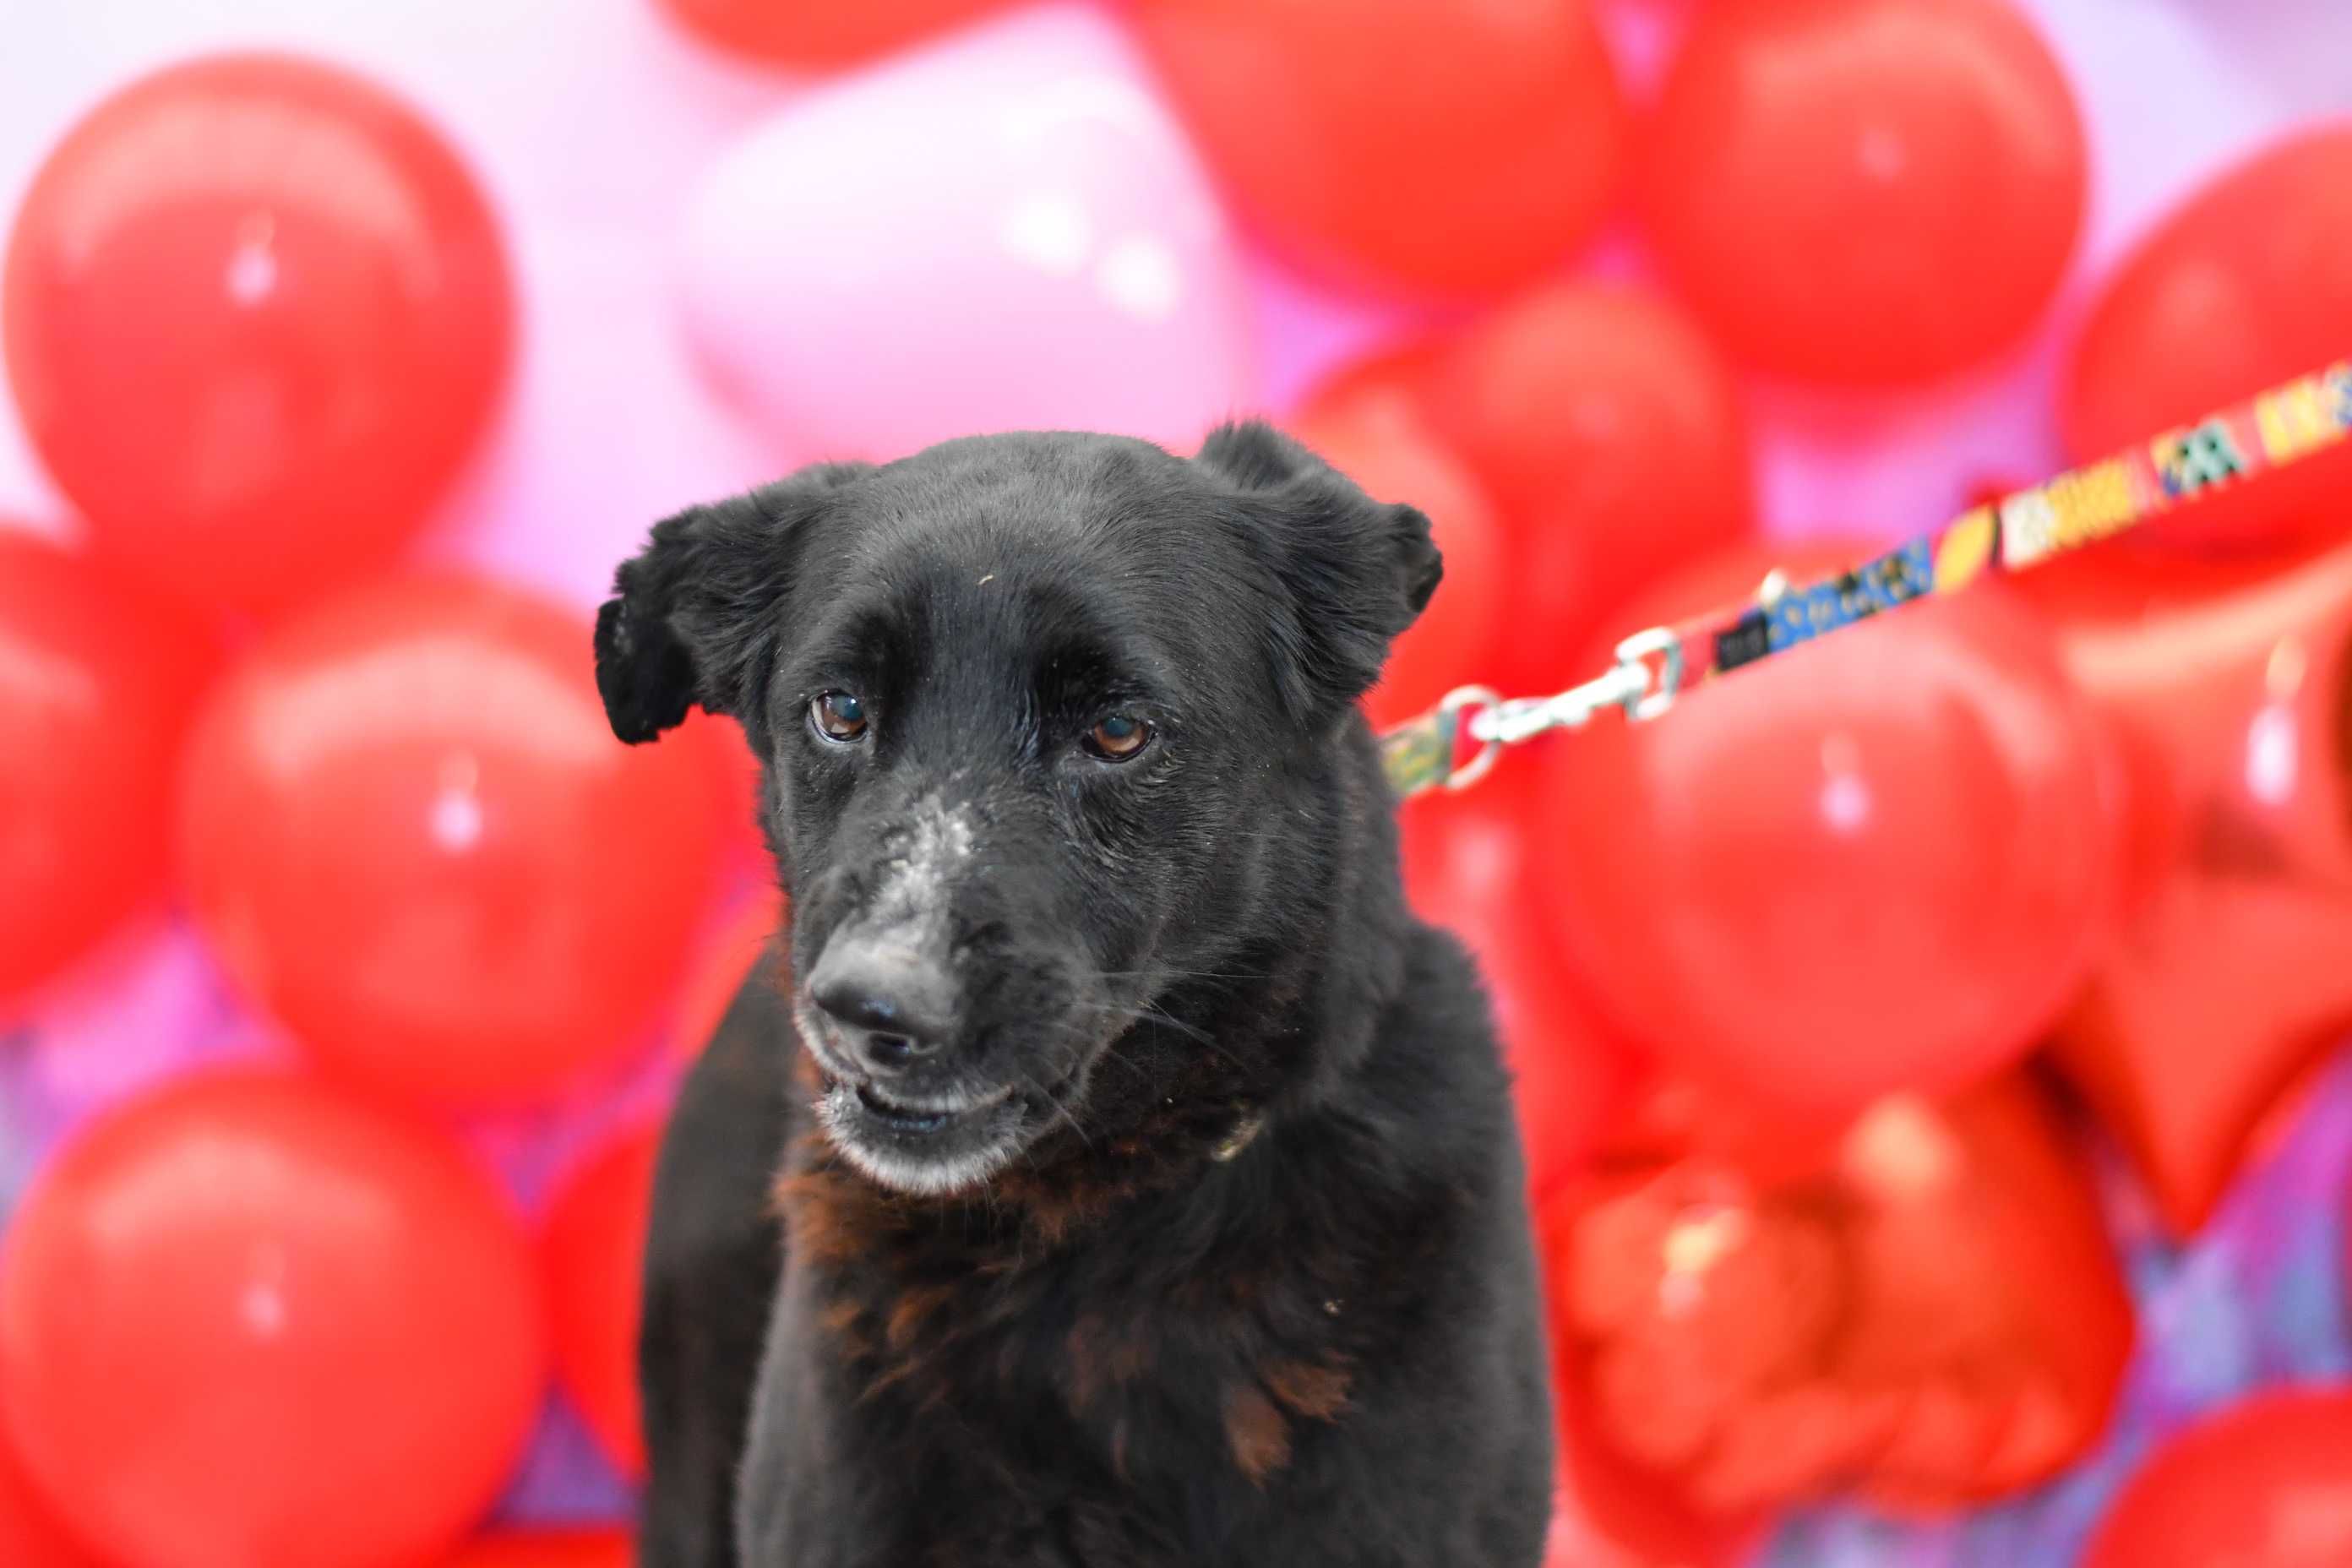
<point>1116,737</point>
<point>838,716</point>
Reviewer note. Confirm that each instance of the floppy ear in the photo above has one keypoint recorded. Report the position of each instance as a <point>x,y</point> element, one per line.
<point>693,616</point>
<point>1355,571</point>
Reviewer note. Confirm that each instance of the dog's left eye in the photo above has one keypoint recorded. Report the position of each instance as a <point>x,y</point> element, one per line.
<point>1116,737</point>
<point>838,716</point>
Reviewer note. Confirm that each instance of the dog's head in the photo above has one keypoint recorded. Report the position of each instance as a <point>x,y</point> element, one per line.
<point>1032,713</point>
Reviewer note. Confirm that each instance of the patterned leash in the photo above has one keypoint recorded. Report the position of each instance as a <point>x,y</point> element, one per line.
<point>1656,667</point>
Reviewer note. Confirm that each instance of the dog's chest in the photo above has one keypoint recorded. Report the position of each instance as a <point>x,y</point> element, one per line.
<point>1063,1406</point>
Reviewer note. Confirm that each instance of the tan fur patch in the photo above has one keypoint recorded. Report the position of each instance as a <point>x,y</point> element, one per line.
<point>1102,1357</point>
<point>822,1227</point>
<point>1256,1433</point>
<point>1130,1355</point>
<point>914,1304</point>
<point>1086,1345</point>
<point>832,1216</point>
<point>1315,1389</point>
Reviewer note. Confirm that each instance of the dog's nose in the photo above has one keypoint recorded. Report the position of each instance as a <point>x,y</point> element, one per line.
<point>893,1005</point>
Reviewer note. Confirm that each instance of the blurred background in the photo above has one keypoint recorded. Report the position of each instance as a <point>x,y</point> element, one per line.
<point>1928,1045</point>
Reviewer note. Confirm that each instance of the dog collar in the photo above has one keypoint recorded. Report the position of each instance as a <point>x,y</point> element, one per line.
<point>1244,1132</point>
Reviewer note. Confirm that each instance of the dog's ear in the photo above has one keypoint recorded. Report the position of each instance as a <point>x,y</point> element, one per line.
<point>693,614</point>
<point>1355,571</point>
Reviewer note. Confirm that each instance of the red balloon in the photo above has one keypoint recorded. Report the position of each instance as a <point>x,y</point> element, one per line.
<point>1866,191</point>
<point>2266,1483</point>
<point>593,1255</point>
<point>96,689</point>
<point>821,34</point>
<point>2249,284</point>
<point>257,315</point>
<point>1926,1312</point>
<point>2224,982</point>
<point>1468,864</point>
<point>244,1321</point>
<point>1452,642</point>
<point>1878,863</point>
<point>1609,435</point>
<point>547,1549</point>
<point>30,1535</point>
<point>408,830</point>
<point>1608,1512</point>
<point>1456,148</point>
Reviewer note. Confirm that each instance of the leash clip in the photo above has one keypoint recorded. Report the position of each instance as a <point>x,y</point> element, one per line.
<point>1629,684</point>
<point>1648,699</point>
<point>1482,702</point>
<point>1419,755</point>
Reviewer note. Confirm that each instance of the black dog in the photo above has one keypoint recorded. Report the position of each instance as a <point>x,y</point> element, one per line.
<point>1149,1188</point>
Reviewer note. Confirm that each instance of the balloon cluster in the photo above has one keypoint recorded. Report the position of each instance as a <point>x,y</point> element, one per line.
<point>258,314</point>
<point>1826,996</point>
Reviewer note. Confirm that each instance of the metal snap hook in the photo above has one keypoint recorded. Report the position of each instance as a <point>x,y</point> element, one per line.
<point>1656,692</point>
<point>1459,700</point>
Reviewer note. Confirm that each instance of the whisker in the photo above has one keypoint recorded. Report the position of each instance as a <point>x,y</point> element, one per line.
<point>1147,1012</point>
<point>1112,1055</point>
<point>1185,975</point>
<point>1055,1101</point>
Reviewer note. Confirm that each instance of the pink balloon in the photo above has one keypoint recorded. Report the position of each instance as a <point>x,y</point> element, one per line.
<point>1004,231</point>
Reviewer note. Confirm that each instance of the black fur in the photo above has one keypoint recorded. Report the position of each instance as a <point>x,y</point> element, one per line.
<point>1249,1279</point>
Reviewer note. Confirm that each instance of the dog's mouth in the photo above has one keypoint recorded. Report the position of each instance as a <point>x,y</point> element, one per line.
<point>927,1146</point>
<point>904,1119</point>
<point>920,1119</point>
<point>932,1142</point>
